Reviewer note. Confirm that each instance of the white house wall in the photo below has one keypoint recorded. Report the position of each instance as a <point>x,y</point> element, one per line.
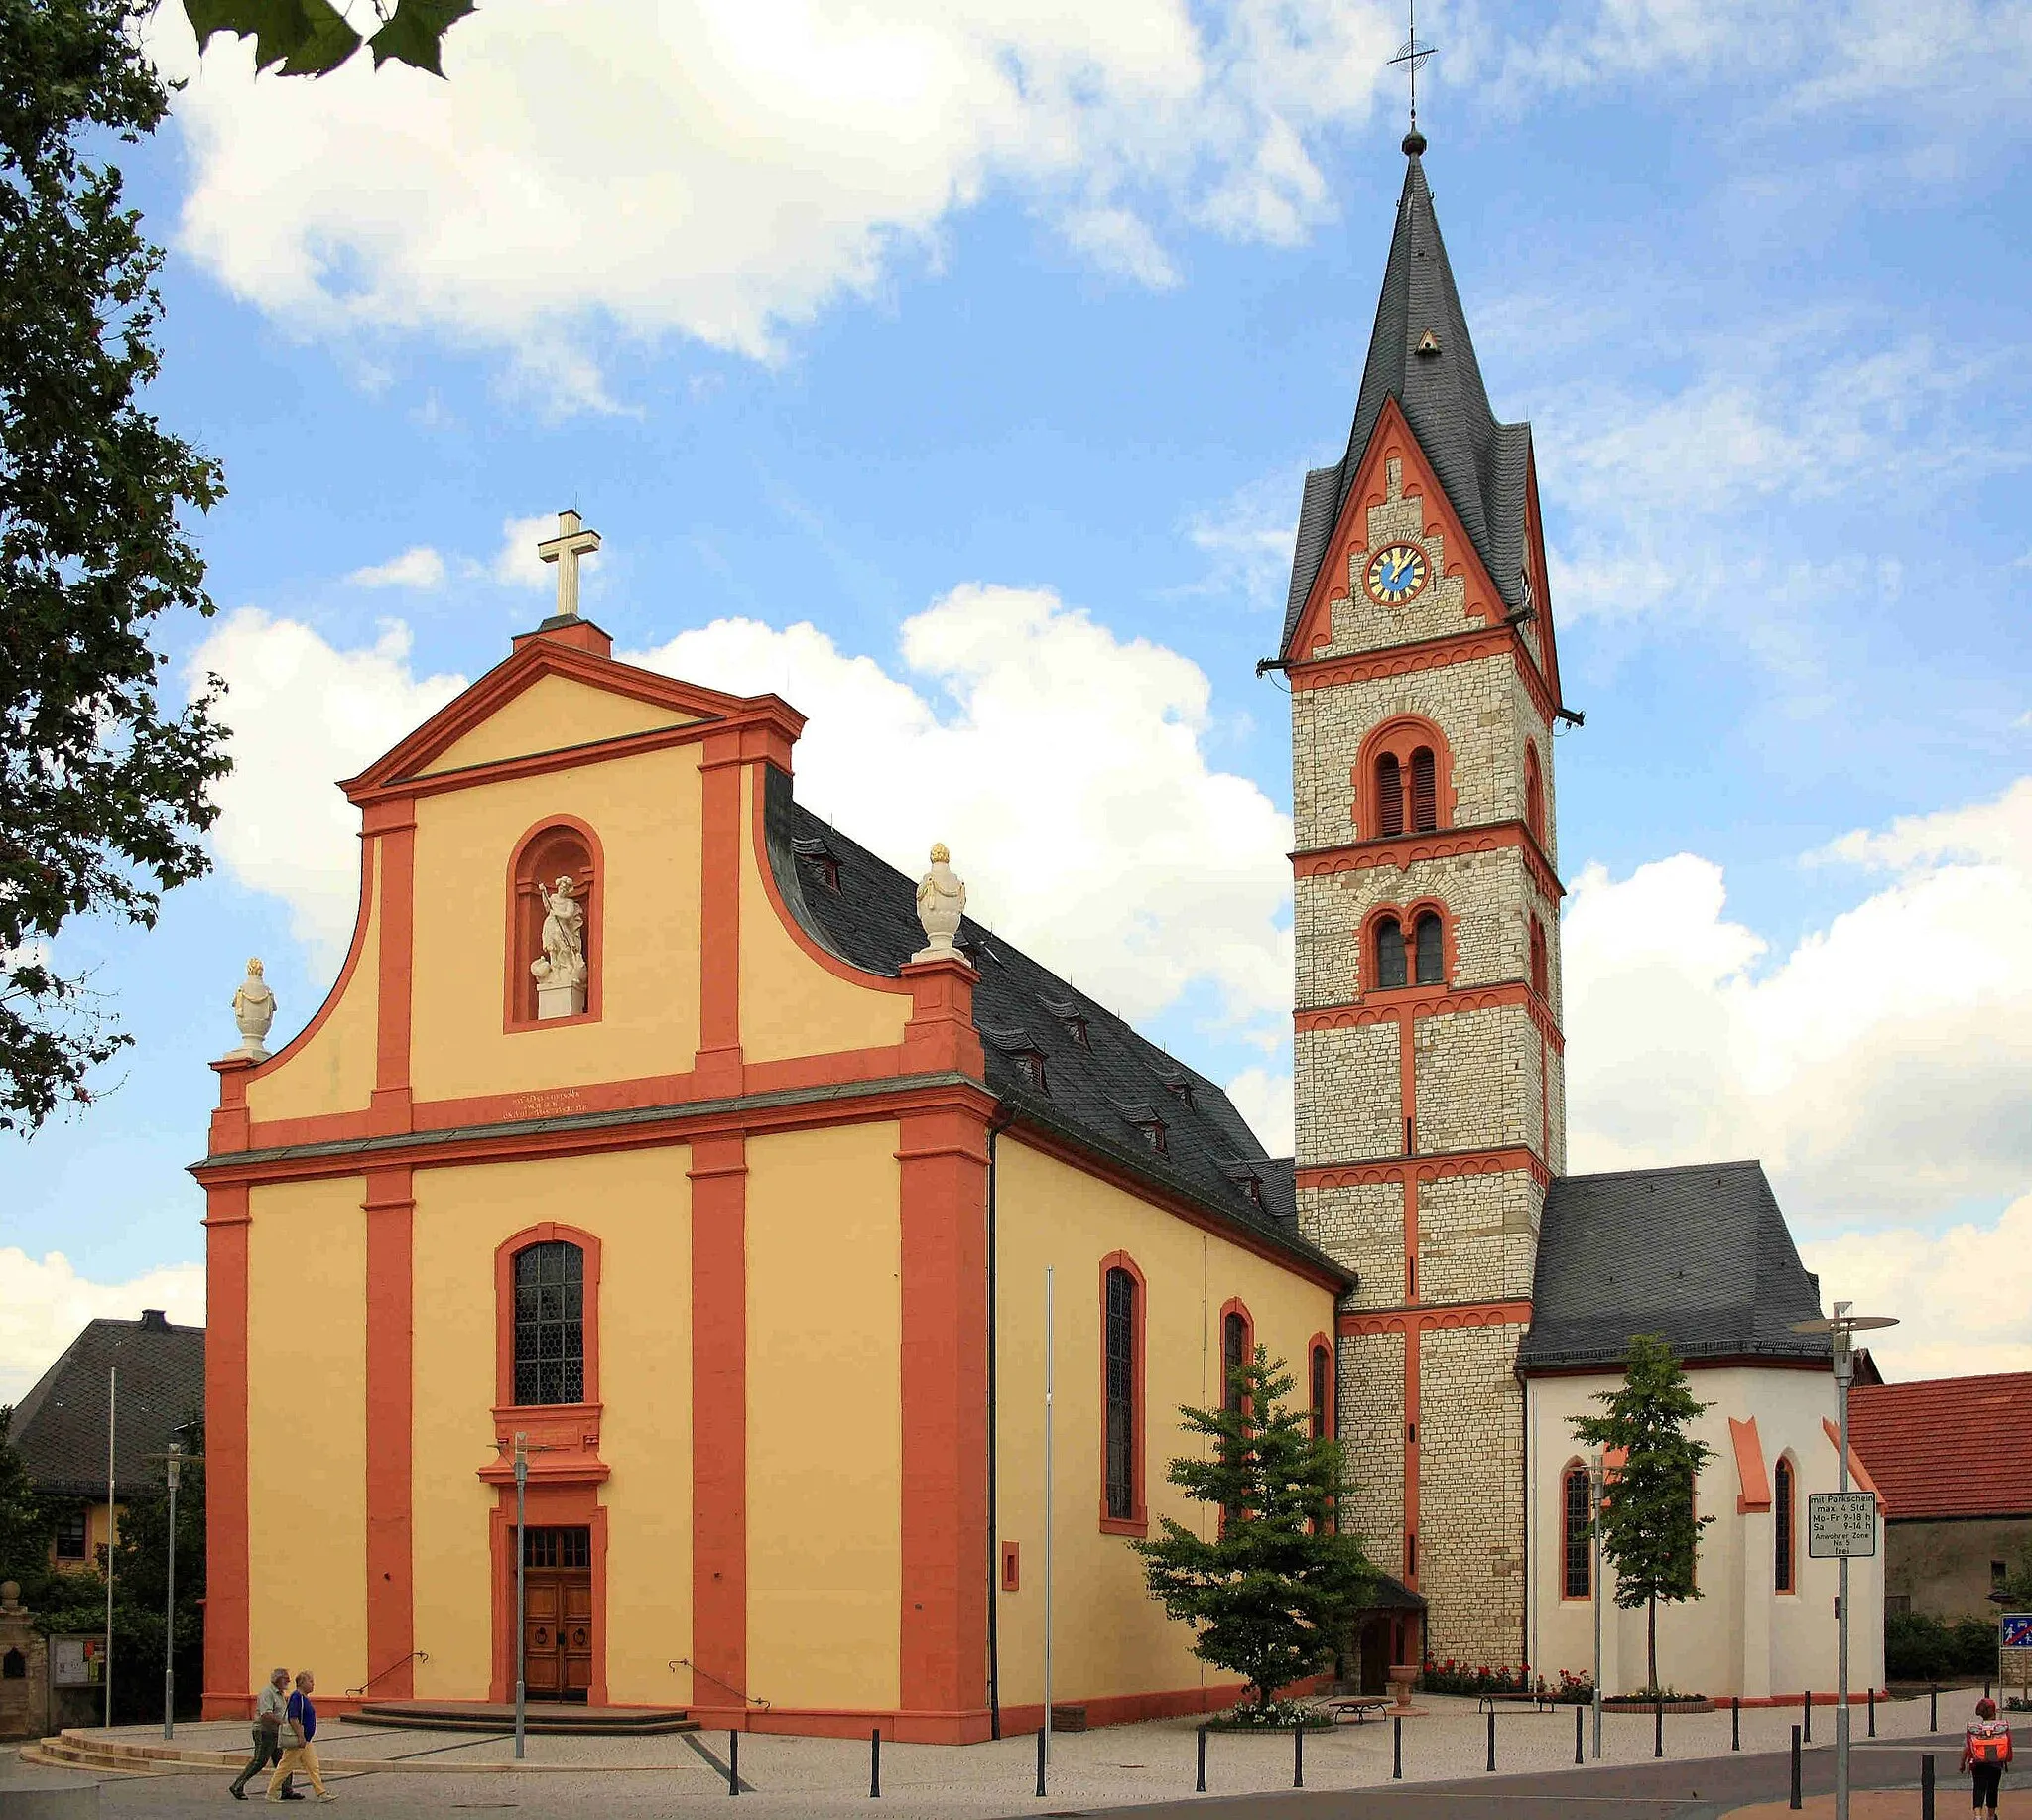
<point>1738,1637</point>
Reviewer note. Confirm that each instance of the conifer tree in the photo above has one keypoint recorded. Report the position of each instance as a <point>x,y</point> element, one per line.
<point>1272,1591</point>
<point>1648,1528</point>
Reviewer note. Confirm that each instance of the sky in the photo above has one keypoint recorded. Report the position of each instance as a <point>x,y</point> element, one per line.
<point>952,369</point>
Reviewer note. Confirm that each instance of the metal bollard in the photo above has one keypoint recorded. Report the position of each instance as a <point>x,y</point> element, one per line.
<point>1576,1736</point>
<point>1933,1709</point>
<point>1040,1760</point>
<point>1806,1707</point>
<point>1657,1727</point>
<point>733,1762</point>
<point>1925,1786</point>
<point>1491,1740</point>
<point>1298,1756</point>
<point>1200,1782</point>
<point>875,1766</point>
<point>1736,1724</point>
<point>1397,1749</point>
<point>1795,1804</point>
<point>1872,1702</point>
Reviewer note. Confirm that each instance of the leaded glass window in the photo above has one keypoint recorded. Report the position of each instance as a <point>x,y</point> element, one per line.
<point>1121,1395</point>
<point>1432,966</point>
<point>550,1324</point>
<point>1389,952</point>
<point>1575,1536</point>
<point>1781,1526</point>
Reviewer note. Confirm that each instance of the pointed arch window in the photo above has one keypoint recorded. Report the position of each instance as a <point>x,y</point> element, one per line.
<point>1429,943</point>
<point>1541,968</point>
<point>1424,791</point>
<point>1235,1350</point>
<point>1576,1578</point>
<point>1782,1507</point>
<point>1389,939</point>
<point>1389,795</point>
<point>1534,794</point>
<point>1323,1390</point>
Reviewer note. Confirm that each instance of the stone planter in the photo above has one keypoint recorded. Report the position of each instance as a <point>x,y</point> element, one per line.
<point>1630,1703</point>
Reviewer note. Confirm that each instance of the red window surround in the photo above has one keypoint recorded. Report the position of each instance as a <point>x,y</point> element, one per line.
<point>1534,793</point>
<point>1137,1522</point>
<point>505,1254</point>
<point>1237,1340</point>
<point>1321,1386</point>
<point>1391,949</point>
<point>1403,780</point>
<point>558,846</point>
<point>1541,961</point>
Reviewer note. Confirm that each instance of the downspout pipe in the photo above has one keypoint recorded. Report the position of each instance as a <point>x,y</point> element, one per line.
<point>1004,1115</point>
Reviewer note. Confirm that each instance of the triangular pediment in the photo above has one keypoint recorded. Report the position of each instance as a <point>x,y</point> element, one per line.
<point>547,697</point>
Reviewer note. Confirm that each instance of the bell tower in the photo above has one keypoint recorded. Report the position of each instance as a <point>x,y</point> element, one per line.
<point>1418,642</point>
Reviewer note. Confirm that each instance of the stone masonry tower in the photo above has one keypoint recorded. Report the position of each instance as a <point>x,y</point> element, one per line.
<point>1431,1091</point>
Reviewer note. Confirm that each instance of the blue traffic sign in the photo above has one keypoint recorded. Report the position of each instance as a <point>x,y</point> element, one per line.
<point>2017,1629</point>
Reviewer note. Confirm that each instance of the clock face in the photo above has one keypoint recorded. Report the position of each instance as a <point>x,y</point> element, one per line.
<point>1395,573</point>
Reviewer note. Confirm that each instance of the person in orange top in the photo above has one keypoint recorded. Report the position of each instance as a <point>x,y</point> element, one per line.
<point>1987,1754</point>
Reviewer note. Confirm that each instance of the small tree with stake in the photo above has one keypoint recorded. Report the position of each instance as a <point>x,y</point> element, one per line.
<point>1648,1526</point>
<point>1272,1589</point>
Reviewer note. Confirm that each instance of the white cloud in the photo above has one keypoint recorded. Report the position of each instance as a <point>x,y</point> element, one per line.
<point>1881,1068</point>
<point>1249,538</point>
<point>1263,1097</point>
<point>516,562</point>
<point>1065,769</point>
<point>421,567</point>
<point>47,1302</point>
<point>304,715</point>
<point>1961,1297</point>
<point>721,168</point>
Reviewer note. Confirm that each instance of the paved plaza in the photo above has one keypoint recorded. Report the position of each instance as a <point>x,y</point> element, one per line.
<point>1151,1765</point>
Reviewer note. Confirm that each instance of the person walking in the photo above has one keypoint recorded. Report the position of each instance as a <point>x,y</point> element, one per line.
<point>301,1716</point>
<point>1987,1754</point>
<point>269,1709</point>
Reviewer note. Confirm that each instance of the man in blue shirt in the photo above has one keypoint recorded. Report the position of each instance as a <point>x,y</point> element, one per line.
<point>300,1754</point>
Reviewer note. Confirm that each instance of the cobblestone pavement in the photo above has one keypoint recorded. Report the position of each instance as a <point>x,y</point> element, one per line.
<point>1148,1766</point>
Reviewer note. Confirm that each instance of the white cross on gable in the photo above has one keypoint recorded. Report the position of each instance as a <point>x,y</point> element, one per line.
<point>571,542</point>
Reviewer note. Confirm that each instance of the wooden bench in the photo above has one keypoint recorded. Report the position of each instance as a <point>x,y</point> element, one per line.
<point>1355,1708</point>
<point>1545,1699</point>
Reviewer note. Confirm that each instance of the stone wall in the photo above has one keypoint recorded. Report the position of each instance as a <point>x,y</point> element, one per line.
<point>1371,1416</point>
<point>1347,1092</point>
<point>1471,1540</point>
<point>1477,1236</point>
<point>1362,1226</point>
<point>1470,1080</point>
<point>24,1695</point>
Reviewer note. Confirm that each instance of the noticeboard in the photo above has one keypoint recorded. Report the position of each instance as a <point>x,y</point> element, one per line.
<point>1840,1523</point>
<point>77,1662</point>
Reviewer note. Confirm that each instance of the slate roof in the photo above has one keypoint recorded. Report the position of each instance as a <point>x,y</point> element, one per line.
<point>59,1427</point>
<point>1700,1254</point>
<point>1481,463</point>
<point>1093,1092</point>
<point>1948,1446</point>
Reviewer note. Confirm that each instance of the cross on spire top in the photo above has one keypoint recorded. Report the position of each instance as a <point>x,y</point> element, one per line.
<point>1413,55</point>
<point>571,542</point>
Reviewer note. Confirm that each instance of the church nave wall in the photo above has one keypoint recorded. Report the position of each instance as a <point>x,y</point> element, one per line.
<point>307,1429</point>
<point>1471,1540</point>
<point>1348,1095</point>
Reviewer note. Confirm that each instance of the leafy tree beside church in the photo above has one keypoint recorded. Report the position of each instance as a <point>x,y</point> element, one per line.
<point>1272,1591</point>
<point>1649,1531</point>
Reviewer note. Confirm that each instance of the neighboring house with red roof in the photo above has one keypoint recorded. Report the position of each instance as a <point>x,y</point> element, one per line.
<point>1954,1459</point>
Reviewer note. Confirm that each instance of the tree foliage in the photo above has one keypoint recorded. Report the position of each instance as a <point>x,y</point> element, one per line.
<point>314,36</point>
<point>102,793</point>
<point>1648,1526</point>
<point>1272,1591</point>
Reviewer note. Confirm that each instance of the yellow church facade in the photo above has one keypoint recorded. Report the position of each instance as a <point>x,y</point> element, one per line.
<point>644,1130</point>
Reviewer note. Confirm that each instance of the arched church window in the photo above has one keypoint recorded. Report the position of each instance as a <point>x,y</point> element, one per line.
<point>1534,794</point>
<point>1322,1391</point>
<point>1429,942</point>
<point>1576,1552</point>
<point>1389,952</point>
<point>1389,795</point>
<point>1122,1338</point>
<point>554,924</point>
<point>1424,791</point>
<point>550,1323</point>
<point>1781,1526</point>
<point>1541,981</point>
<point>1234,1351</point>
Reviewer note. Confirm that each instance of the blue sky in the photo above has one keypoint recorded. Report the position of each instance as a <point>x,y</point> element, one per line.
<point>992,346</point>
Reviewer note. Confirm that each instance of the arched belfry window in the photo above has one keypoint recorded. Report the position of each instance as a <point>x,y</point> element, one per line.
<point>554,925</point>
<point>550,1323</point>
<point>1534,795</point>
<point>1424,791</point>
<point>1389,939</point>
<point>1429,942</point>
<point>1389,795</point>
<point>1541,965</point>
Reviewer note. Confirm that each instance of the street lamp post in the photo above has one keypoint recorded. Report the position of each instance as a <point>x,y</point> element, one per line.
<point>521,1584</point>
<point>1840,1331</point>
<point>1594,1527</point>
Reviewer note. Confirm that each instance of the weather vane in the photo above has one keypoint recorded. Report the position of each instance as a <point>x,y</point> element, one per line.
<point>1413,56</point>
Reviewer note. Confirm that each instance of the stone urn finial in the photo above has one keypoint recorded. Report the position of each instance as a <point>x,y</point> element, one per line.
<point>941,903</point>
<point>10,1595</point>
<point>254,1012</point>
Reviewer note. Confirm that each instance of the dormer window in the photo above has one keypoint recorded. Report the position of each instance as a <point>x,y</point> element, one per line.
<point>1153,1132</point>
<point>1180,1089</point>
<point>1029,1067</point>
<point>816,864</point>
<point>1073,1017</point>
<point>1252,1186</point>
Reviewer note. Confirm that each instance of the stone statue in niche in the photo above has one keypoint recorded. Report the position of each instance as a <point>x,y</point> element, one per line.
<point>559,971</point>
<point>941,903</point>
<point>254,1012</point>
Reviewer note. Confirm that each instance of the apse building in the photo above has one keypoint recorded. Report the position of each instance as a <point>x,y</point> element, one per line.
<point>658,1131</point>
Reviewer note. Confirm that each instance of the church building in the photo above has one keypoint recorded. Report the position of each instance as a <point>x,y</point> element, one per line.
<point>659,1142</point>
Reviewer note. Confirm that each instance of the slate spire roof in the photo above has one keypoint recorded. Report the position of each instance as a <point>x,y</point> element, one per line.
<point>1421,354</point>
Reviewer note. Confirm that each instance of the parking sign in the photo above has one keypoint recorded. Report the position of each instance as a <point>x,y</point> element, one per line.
<point>1840,1523</point>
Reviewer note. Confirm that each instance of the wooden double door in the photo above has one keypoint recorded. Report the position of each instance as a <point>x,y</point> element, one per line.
<point>557,1626</point>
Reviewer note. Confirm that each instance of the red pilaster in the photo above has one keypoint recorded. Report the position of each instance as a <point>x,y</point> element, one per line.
<point>392,823</point>
<point>719,1423</point>
<point>228,1686</point>
<point>391,1588</point>
<point>720,916</point>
